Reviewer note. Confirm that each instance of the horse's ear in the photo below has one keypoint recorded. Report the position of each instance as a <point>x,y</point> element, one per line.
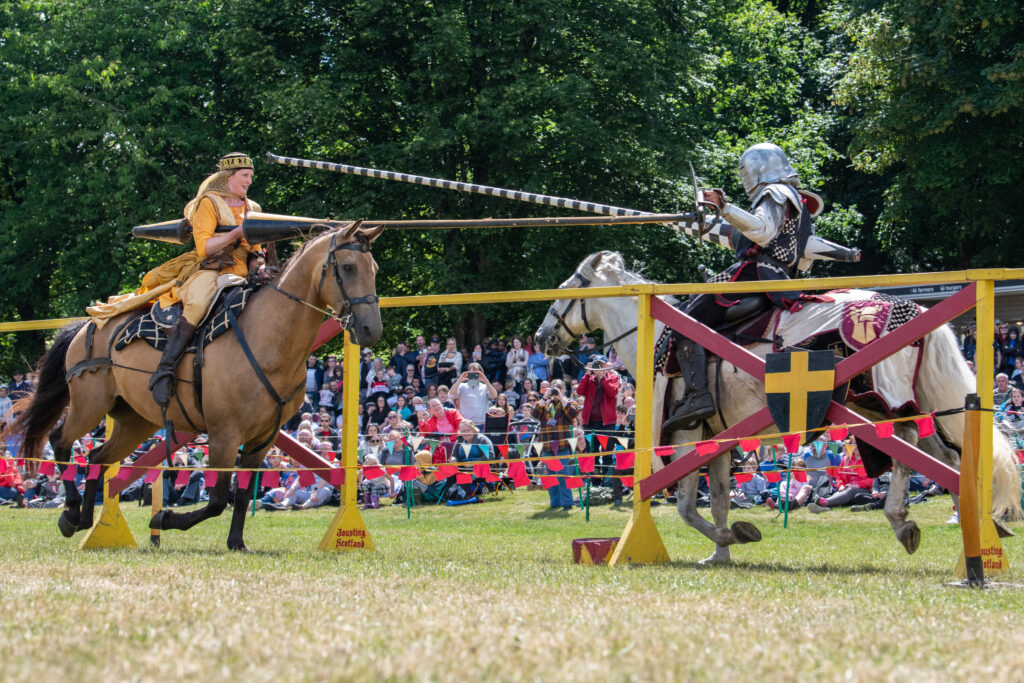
<point>350,230</point>
<point>373,233</point>
<point>614,259</point>
<point>594,260</point>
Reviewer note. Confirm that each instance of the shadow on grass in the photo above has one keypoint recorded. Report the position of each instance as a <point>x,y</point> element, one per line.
<point>822,569</point>
<point>551,513</point>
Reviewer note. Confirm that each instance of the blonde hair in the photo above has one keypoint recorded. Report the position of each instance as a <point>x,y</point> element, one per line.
<point>468,424</point>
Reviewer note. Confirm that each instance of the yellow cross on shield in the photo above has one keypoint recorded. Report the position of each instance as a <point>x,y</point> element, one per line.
<point>798,386</point>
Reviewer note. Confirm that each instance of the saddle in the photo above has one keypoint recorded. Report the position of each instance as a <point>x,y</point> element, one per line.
<point>745,323</point>
<point>151,326</point>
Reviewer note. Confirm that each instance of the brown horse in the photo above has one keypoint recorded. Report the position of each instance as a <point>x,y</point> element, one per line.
<point>240,408</point>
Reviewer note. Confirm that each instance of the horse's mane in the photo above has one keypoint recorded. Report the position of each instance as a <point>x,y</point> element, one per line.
<point>615,266</point>
<point>306,241</point>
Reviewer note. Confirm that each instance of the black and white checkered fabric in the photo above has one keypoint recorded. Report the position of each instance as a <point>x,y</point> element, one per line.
<point>903,311</point>
<point>216,324</point>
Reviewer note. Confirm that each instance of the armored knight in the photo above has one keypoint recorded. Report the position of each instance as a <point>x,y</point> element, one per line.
<point>772,241</point>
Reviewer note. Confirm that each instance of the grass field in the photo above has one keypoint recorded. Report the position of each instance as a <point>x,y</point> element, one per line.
<point>489,592</point>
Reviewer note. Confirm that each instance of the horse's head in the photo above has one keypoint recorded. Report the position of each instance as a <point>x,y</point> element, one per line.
<point>567,319</point>
<point>345,279</point>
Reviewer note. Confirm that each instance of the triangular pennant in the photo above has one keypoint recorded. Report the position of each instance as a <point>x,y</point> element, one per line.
<point>925,426</point>
<point>625,460</point>
<point>884,429</point>
<point>503,449</point>
<point>750,444</point>
<point>538,447</point>
<point>415,442</point>
<point>271,479</point>
<point>791,442</point>
<point>623,441</point>
<point>838,433</point>
<point>337,477</point>
<point>521,449</point>
<point>466,448</point>
<point>603,440</point>
<point>574,444</point>
<point>706,448</point>
<point>487,451</point>
<point>590,439</point>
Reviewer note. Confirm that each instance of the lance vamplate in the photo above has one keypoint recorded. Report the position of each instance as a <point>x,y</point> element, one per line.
<point>717,232</point>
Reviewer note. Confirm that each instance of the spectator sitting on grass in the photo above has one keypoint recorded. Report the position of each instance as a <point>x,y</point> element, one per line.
<point>754,490</point>
<point>798,492</point>
<point>851,480</point>
<point>376,488</point>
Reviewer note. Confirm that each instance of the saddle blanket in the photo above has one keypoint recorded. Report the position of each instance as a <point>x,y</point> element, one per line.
<point>216,323</point>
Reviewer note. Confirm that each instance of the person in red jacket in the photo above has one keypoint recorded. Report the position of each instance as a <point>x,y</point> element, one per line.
<point>11,486</point>
<point>443,425</point>
<point>599,388</point>
<point>852,484</point>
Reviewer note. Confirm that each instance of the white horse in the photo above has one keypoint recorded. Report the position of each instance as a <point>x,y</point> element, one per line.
<point>943,381</point>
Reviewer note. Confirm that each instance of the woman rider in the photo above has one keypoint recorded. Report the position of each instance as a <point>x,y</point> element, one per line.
<point>220,201</point>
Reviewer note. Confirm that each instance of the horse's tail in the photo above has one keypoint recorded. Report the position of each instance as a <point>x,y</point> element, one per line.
<point>943,382</point>
<point>40,411</point>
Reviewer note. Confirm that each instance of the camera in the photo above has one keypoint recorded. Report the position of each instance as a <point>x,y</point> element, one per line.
<point>472,375</point>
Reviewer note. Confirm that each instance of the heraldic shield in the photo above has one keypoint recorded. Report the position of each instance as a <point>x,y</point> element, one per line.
<point>798,386</point>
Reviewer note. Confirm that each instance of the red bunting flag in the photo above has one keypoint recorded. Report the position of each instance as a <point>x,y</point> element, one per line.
<point>152,475</point>
<point>271,479</point>
<point>573,482</point>
<point>408,473</point>
<point>883,429</point>
<point>445,471</point>
<point>603,440</point>
<point>750,444</point>
<point>332,456</point>
<point>463,478</point>
<point>210,479</point>
<point>337,477</point>
<point>586,464</point>
<point>664,451</point>
<point>772,477</point>
<point>79,459</point>
<point>206,449</point>
<point>832,472</point>
<point>706,448</point>
<point>625,460</point>
<point>368,472</point>
<point>548,482</point>
<point>47,467</point>
<point>244,479</point>
<point>517,471</point>
<point>481,470</point>
<point>94,472</point>
<point>627,482</point>
<point>69,473</point>
<point>838,433</point>
<point>554,465</point>
<point>791,442</point>
<point>800,475</point>
<point>503,449</point>
<point>743,477</point>
<point>182,478</point>
<point>392,470</point>
<point>925,426</point>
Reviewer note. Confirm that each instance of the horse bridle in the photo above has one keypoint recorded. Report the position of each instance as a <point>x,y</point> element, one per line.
<point>344,316</point>
<point>560,317</point>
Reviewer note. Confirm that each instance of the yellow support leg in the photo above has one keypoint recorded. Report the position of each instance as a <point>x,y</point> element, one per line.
<point>110,530</point>
<point>641,543</point>
<point>348,530</point>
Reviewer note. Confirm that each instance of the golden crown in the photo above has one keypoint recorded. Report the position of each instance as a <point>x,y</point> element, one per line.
<point>233,162</point>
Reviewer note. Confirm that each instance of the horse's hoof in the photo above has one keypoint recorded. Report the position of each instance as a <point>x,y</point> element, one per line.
<point>239,547</point>
<point>716,558</point>
<point>910,537</point>
<point>157,521</point>
<point>745,532</point>
<point>154,541</point>
<point>66,526</point>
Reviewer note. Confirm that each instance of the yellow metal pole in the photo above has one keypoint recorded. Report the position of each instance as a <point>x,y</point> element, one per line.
<point>110,530</point>
<point>992,555</point>
<point>641,543</point>
<point>348,530</point>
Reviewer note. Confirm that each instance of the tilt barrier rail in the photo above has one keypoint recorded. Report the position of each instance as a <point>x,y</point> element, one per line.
<point>641,542</point>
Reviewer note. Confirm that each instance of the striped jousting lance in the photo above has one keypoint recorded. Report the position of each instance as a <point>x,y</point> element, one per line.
<point>715,233</point>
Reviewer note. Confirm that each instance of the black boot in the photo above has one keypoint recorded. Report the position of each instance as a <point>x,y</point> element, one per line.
<point>162,383</point>
<point>696,404</point>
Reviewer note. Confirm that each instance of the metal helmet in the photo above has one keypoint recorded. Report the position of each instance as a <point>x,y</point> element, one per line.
<point>765,163</point>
